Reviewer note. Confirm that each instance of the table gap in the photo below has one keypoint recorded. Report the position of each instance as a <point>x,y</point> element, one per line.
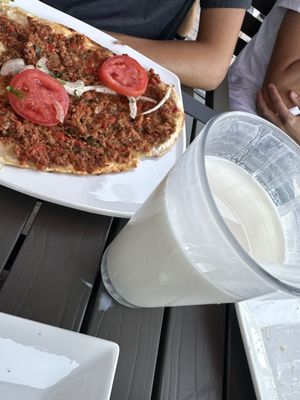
<point>91,302</point>
<point>116,225</point>
<point>19,243</point>
<point>31,217</point>
<point>226,374</point>
<point>13,255</point>
<point>160,355</point>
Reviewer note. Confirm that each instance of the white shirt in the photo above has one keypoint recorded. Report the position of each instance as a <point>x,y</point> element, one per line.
<point>247,72</point>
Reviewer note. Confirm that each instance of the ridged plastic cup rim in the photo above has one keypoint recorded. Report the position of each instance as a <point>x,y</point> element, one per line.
<point>254,266</point>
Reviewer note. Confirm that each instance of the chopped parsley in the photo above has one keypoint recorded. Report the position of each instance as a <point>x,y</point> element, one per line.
<point>61,81</point>
<point>18,93</point>
<point>37,49</point>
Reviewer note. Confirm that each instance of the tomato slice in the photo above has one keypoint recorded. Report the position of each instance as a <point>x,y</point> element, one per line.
<point>38,97</point>
<point>124,75</point>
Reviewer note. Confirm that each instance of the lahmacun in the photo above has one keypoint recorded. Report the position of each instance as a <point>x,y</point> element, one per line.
<point>57,112</point>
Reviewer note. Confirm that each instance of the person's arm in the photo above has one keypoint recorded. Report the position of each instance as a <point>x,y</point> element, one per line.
<point>202,63</point>
<point>284,67</point>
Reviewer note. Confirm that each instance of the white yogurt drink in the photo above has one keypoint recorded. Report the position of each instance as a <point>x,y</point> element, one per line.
<point>247,210</point>
<point>172,252</point>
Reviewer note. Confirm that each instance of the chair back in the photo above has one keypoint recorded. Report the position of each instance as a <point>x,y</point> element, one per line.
<point>252,21</point>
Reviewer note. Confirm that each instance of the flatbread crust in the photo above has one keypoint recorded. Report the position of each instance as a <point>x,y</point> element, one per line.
<point>7,152</point>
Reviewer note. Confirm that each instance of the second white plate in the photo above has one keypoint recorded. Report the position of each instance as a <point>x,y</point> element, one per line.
<point>42,362</point>
<point>271,334</point>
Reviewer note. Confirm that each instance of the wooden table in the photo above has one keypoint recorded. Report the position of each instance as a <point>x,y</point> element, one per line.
<point>49,272</point>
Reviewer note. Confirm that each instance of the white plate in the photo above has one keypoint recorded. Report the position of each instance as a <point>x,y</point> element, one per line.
<point>42,362</point>
<point>112,194</point>
<point>271,335</point>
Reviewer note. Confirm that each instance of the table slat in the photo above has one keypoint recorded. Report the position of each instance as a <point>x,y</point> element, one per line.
<point>193,356</point>
<point>137,331</point>
<point>53,275</point>
<point>15,209</point>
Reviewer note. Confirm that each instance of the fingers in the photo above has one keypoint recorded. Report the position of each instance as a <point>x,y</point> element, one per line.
<point>286,120</point>
<point>278,104</point>
<point>264,111</point>
<point>280,115</point>
<point>262,108</point>
<point>295,98</point>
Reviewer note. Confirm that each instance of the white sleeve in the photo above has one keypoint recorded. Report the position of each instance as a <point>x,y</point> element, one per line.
<point>289,4</point>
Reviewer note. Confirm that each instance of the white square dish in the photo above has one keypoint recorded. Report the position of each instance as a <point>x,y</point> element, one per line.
<point>119,194</point>
<point>42,362</point>
<point>271,334</point>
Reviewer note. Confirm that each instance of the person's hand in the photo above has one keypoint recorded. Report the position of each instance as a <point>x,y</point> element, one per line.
<point>281,116</point>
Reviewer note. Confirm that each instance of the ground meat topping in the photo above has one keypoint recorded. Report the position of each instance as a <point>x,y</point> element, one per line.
<point>97,129</point>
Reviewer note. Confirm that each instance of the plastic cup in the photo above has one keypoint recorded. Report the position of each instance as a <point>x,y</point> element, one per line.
<point>210,232</point>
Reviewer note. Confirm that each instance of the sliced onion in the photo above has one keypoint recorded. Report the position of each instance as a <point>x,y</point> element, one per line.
<point>163,100</point>
<point>98,89</point>
<point>60,113</point>
<point>77,88</point>
<point>12,67</point>
<point>145,98</point>
<point>132,106</point>
<point>30,66</point>
<point>73,88</point>
<point>42,65</point>
<point>101,89</point>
